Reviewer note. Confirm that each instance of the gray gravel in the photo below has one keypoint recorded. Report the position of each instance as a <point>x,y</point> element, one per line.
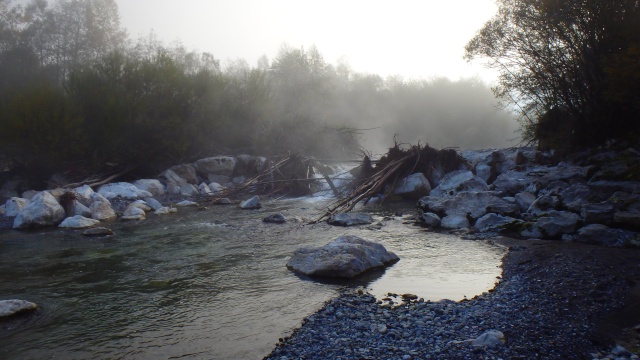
<point>548,306</point>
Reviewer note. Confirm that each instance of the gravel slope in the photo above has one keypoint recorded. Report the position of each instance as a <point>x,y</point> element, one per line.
<point>555,301</point>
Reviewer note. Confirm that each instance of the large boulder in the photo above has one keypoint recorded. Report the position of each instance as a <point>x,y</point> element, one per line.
<point>78,222</point>
<point>606,236</point>
<point>14,205</point>
<point>101,208</point>
<point>430,219</point>
<point>154,186</point>
<point>124,190</point>
<point>15,306</point>
<point>77,208</point>
<point>184,171</point>
<point>512,182</point>
<point>345,257</point>
<point>578,195</point>
<point>133,212</point>
<point>497,223</point>
<point>42,210</point>
<point>453,222</point>
<point>219,165</point>
<point>458,181</point>
<point>553,225</point>
<point>413,187</point>
<point>350,219</point>
<point>84,194</point>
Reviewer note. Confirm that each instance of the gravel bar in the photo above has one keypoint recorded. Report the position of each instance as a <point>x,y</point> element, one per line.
<point>555,301</point>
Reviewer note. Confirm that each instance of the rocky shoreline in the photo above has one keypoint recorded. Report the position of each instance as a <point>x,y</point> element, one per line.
<point>555,301</point>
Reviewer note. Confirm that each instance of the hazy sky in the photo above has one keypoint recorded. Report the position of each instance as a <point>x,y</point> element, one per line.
<point>414,39</point>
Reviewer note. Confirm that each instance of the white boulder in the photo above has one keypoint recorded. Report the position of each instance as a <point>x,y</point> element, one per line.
<point>14,306</point>
<point>14,205</point>
<point>123,189</point>
<point>154,186</point>
<point>78,222</point>
<point>42,210</point>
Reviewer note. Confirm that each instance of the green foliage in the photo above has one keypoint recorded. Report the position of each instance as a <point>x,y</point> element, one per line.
<point>569,61</point>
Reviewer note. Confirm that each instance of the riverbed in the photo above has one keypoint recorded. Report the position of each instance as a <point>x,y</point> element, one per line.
<point>208,282</point>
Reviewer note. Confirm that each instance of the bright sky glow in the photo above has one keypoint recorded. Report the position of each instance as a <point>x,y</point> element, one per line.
<point>416,39</point>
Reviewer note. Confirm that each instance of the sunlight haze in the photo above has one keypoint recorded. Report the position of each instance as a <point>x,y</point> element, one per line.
<point>413,39</point>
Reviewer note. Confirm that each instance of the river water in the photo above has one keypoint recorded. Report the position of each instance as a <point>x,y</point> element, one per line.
<point>206,283</point>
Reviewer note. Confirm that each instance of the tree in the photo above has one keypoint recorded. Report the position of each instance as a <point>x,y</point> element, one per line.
<point>559,63</point>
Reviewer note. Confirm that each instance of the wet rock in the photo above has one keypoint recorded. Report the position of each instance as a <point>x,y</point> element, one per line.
<point>413,187</point>
<point>252,203</point>
<point>345,257</point>
<point>78,222</point>
<point>154,186</point>
<point>275,219</point>
<point>545,203</point>
<point>219,165</point>
<point>101,210</point>
<point>430,219</point>
<point>15,306</point>
<point>124,190</point>
<point>457,181</point>
<point>204,189</point>
<point>14,205</point>
<point>350,219</point>
<point>142,205</point>
<point>98,231</point>
<point>42,210</point>
<point>453,222</point>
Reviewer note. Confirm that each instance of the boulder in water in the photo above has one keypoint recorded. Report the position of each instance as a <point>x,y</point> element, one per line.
<point>15,306</point>
<point>78,222</point>
<point>14,205</point>
<point>98,231</point>
<point>345,257</point>
<point>42,210</point>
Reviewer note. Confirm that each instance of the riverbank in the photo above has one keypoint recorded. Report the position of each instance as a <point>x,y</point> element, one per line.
<point>555,300</point>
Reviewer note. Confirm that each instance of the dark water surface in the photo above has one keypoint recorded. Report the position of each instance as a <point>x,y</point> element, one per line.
<point>203,284</point>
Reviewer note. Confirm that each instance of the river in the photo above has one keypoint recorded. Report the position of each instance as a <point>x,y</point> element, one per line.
<point>208,283</point>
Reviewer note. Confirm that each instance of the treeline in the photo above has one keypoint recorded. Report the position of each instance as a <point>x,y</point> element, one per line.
<point>77,95</point>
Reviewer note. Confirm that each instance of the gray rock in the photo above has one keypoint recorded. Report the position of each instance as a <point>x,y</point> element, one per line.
<point>499,223</point>
<point>204,189</point>
<point>491,339</point>
<point>188,190</point>
<point>524,200</point>
<point>468,203</point>
<point>603,235</point>
<point>610,187</point>
<point>84,194</point>
<point>154,186</point>
<point>512,183</point>
<point>98,231</point>
<point>124,190</point>
<point>172,178</point>
<point>627,219</point>
<point>78,222</point>
<point>79,209</point>
<point>185,203</point>
<point>453,222</point>
<point>133,212</point>
<point>430,219</point>
<point>601,213</point>
<point>215,187</point>
<point>183,171</point>
<point>564,172</point>
<point>275,219</point>
<point>345,257</point>
<point>42,210</point>
<point>101,210</point>
<point>457,181</point>
<point>252,203</point>
<point>413,186</point>
<point>173,189</point>
<point>222,201</point>
<point>15,306</point>
<point>165,210</point>
<point>554,224</point>
<point>220,179</point>
<point>14,205</point>
<point>578,195</point>
<point>220,165</point>
<point>153,203</point>
<point>142,205</point>
<point>29,194</point>
<point>350,219</point>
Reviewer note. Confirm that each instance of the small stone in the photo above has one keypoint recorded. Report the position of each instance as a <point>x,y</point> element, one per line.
<point>187,203</point>
<point>251,204</point>
<point>98,231</point>
<point>275,219</point>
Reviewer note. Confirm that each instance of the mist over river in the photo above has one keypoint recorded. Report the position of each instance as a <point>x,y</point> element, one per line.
<point>208,283</point>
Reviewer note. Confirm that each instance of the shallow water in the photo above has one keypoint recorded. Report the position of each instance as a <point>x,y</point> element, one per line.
<point>205,284</point>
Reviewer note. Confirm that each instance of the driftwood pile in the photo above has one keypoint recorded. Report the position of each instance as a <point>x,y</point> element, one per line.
<point>397,164</point>
<point>293,175</point>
